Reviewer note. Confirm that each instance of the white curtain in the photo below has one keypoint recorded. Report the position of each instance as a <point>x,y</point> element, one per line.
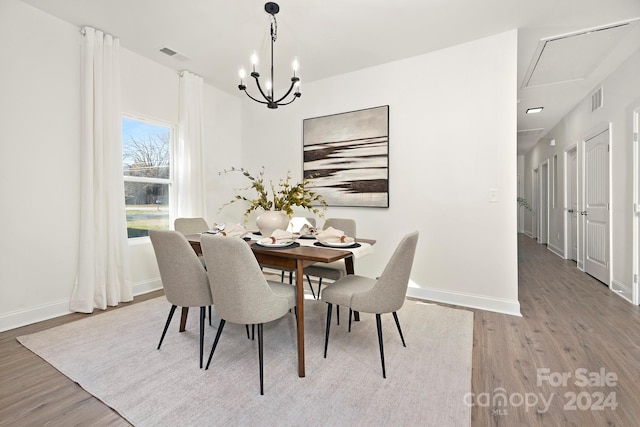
<point>102,276</point>
<point>188,164</point>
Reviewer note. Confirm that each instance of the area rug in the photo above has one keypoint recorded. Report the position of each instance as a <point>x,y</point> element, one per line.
<point>113,356</point>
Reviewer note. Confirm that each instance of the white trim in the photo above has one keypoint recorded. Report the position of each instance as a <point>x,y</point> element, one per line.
<point>636,207</point>
<point>556,250</point>
<point>497,305</point>
<point>567,189</point>
<point>28,316</point>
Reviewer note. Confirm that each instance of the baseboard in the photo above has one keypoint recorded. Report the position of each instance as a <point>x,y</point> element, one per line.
<point>28,316</point>
<point>622,290</point>
<point>556,251</point>
<point>480,302</point>
<point>529,234</point>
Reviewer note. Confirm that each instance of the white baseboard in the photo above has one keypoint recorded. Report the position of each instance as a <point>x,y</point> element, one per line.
<point>28,316</point>
<point>556,251</point>
<point>466,300</point>
<point>529,234</point>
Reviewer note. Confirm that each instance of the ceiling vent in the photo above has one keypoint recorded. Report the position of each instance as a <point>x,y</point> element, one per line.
<point>574,56</point>
<point>172,53</point>
<point>596,99</point>
<point>168,51</point>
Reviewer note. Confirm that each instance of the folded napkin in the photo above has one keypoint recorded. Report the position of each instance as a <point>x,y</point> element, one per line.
<point>278,236</point>
<point>308,230</point>
<point>332,235</point>
<point>234,230</point>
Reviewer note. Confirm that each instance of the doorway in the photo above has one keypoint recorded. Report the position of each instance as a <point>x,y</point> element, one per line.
<point>543,211</point>
<point>536,212</point>
<point>571,196</point>
<point>596,207</point>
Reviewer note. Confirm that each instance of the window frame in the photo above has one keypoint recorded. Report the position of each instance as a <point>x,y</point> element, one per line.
<point>172,127</point>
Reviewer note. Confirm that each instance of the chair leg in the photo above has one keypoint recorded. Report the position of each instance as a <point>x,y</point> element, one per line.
<point>395,317</point>
<point>253,332</point>
<point>203,312</point>
<point>215,342</point>
<point>326,335</point>
<point>282,276</point>
<point>350,313</point>
<point>379,325</point>
<point>209,315</point>
<point>166,325</point>
<point>311,287</point>
<point>337,314</point>
<point>319,286</point>
<point>247,328</point>
<point>291,277</point>
<point>260,358</point>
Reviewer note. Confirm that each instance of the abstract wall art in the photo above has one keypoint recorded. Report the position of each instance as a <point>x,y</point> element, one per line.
<point>346,157</point>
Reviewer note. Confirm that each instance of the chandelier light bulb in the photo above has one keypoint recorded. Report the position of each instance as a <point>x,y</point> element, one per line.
<point>242,73</point>
<point>295,65</point>
<point>254,60</point>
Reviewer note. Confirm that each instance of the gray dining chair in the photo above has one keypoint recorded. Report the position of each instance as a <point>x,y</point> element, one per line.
<point>240,290</point>
<point>189,226</point>
<point>183,276</point>
<point>333,270</point>
<point>386,294</point>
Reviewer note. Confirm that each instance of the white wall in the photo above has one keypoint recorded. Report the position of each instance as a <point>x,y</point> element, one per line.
<point>40,151</point>
<point>621,91</point>
<point>452,138</point>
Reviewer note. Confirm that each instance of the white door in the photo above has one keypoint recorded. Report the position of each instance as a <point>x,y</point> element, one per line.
<point>543,230</point>
<point>572,201</point>
<point>596,213</point>
<point>536,211</point>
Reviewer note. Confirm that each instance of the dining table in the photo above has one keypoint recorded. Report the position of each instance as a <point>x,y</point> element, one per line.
<point>296,258</point>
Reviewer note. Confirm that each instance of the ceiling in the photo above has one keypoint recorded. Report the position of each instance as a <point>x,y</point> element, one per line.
<point>214,39</point>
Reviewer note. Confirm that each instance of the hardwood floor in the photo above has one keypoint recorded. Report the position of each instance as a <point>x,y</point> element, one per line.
<point>569,322</point>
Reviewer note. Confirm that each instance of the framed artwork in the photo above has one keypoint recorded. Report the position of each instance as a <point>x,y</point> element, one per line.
<point>346,157</point>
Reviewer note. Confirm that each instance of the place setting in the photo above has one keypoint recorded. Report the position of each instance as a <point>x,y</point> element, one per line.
<point>279,239</point>
<point>334,238</point>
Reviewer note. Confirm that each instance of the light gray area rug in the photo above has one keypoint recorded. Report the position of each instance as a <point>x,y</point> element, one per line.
<point>113,356</point>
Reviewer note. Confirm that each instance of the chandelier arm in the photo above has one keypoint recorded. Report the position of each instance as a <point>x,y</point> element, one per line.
<point>293,83</point>
<point>257,100</point>
<point>287,103</point>
<point>260,89</point>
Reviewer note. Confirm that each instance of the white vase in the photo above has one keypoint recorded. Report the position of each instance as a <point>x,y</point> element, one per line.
<point>269,221</point>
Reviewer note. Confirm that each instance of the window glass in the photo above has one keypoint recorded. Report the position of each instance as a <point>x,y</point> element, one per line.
<point>146,166</point>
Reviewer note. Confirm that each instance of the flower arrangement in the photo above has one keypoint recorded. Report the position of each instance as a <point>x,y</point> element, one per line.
<point>522,202</point>
<point>283,198</point>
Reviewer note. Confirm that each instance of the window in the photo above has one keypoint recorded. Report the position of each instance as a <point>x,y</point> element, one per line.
<point>146,165</point>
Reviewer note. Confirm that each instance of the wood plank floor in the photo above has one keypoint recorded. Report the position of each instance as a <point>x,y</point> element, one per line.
<point>569,322</point>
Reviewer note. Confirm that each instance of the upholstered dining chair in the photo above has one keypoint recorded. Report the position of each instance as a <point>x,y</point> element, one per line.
<point>188,226</point>
<point>386,294</point>
<point>240,290</point>
<point>183,276</point>
<point>333,270</point>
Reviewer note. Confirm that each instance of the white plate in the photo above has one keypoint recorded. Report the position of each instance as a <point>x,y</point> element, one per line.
<point>337,244</point>
<point>275,245</point>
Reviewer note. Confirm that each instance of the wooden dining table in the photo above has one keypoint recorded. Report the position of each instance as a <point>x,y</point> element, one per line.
<point>295,258</point>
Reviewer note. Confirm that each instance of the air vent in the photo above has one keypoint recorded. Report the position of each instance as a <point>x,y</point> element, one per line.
<point>168,51</point>
<point>596,99</point>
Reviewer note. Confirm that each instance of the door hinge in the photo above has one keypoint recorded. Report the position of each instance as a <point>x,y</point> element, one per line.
<point>635,278</point>
<point>635,137</point>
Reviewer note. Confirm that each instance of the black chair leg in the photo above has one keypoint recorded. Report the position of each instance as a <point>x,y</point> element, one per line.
<point>395,317</point>
<point>282,276</point>
<point>350,313</point>
<point>247,328</point>
<point>291,277</point>
<point>319,286</point>
<point>209,315</point>
<point>311,287</point>
<point>326,335</point>
<point>203,312</point>
<point>215,342</point>
<point>379,325</point>
<point>337,314</point>
<point>260,358</point>
<point>166,325</point>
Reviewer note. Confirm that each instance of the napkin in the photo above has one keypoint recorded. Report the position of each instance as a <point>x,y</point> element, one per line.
<point>332,235</point>
<point>278,236</point>
<point>234,230</point>
<point>307,230</point>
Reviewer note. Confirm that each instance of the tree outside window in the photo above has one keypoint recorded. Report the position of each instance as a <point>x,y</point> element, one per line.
<point>146,165</point>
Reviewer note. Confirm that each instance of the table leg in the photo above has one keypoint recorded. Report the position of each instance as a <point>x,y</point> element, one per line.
<point>300,316</point>
<point>183,318</point>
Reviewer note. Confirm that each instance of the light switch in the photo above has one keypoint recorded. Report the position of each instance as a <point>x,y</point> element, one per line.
<point>493,195</point>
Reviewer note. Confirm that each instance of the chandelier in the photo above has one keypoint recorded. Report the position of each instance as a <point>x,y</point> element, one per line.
<point>268,93</point>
